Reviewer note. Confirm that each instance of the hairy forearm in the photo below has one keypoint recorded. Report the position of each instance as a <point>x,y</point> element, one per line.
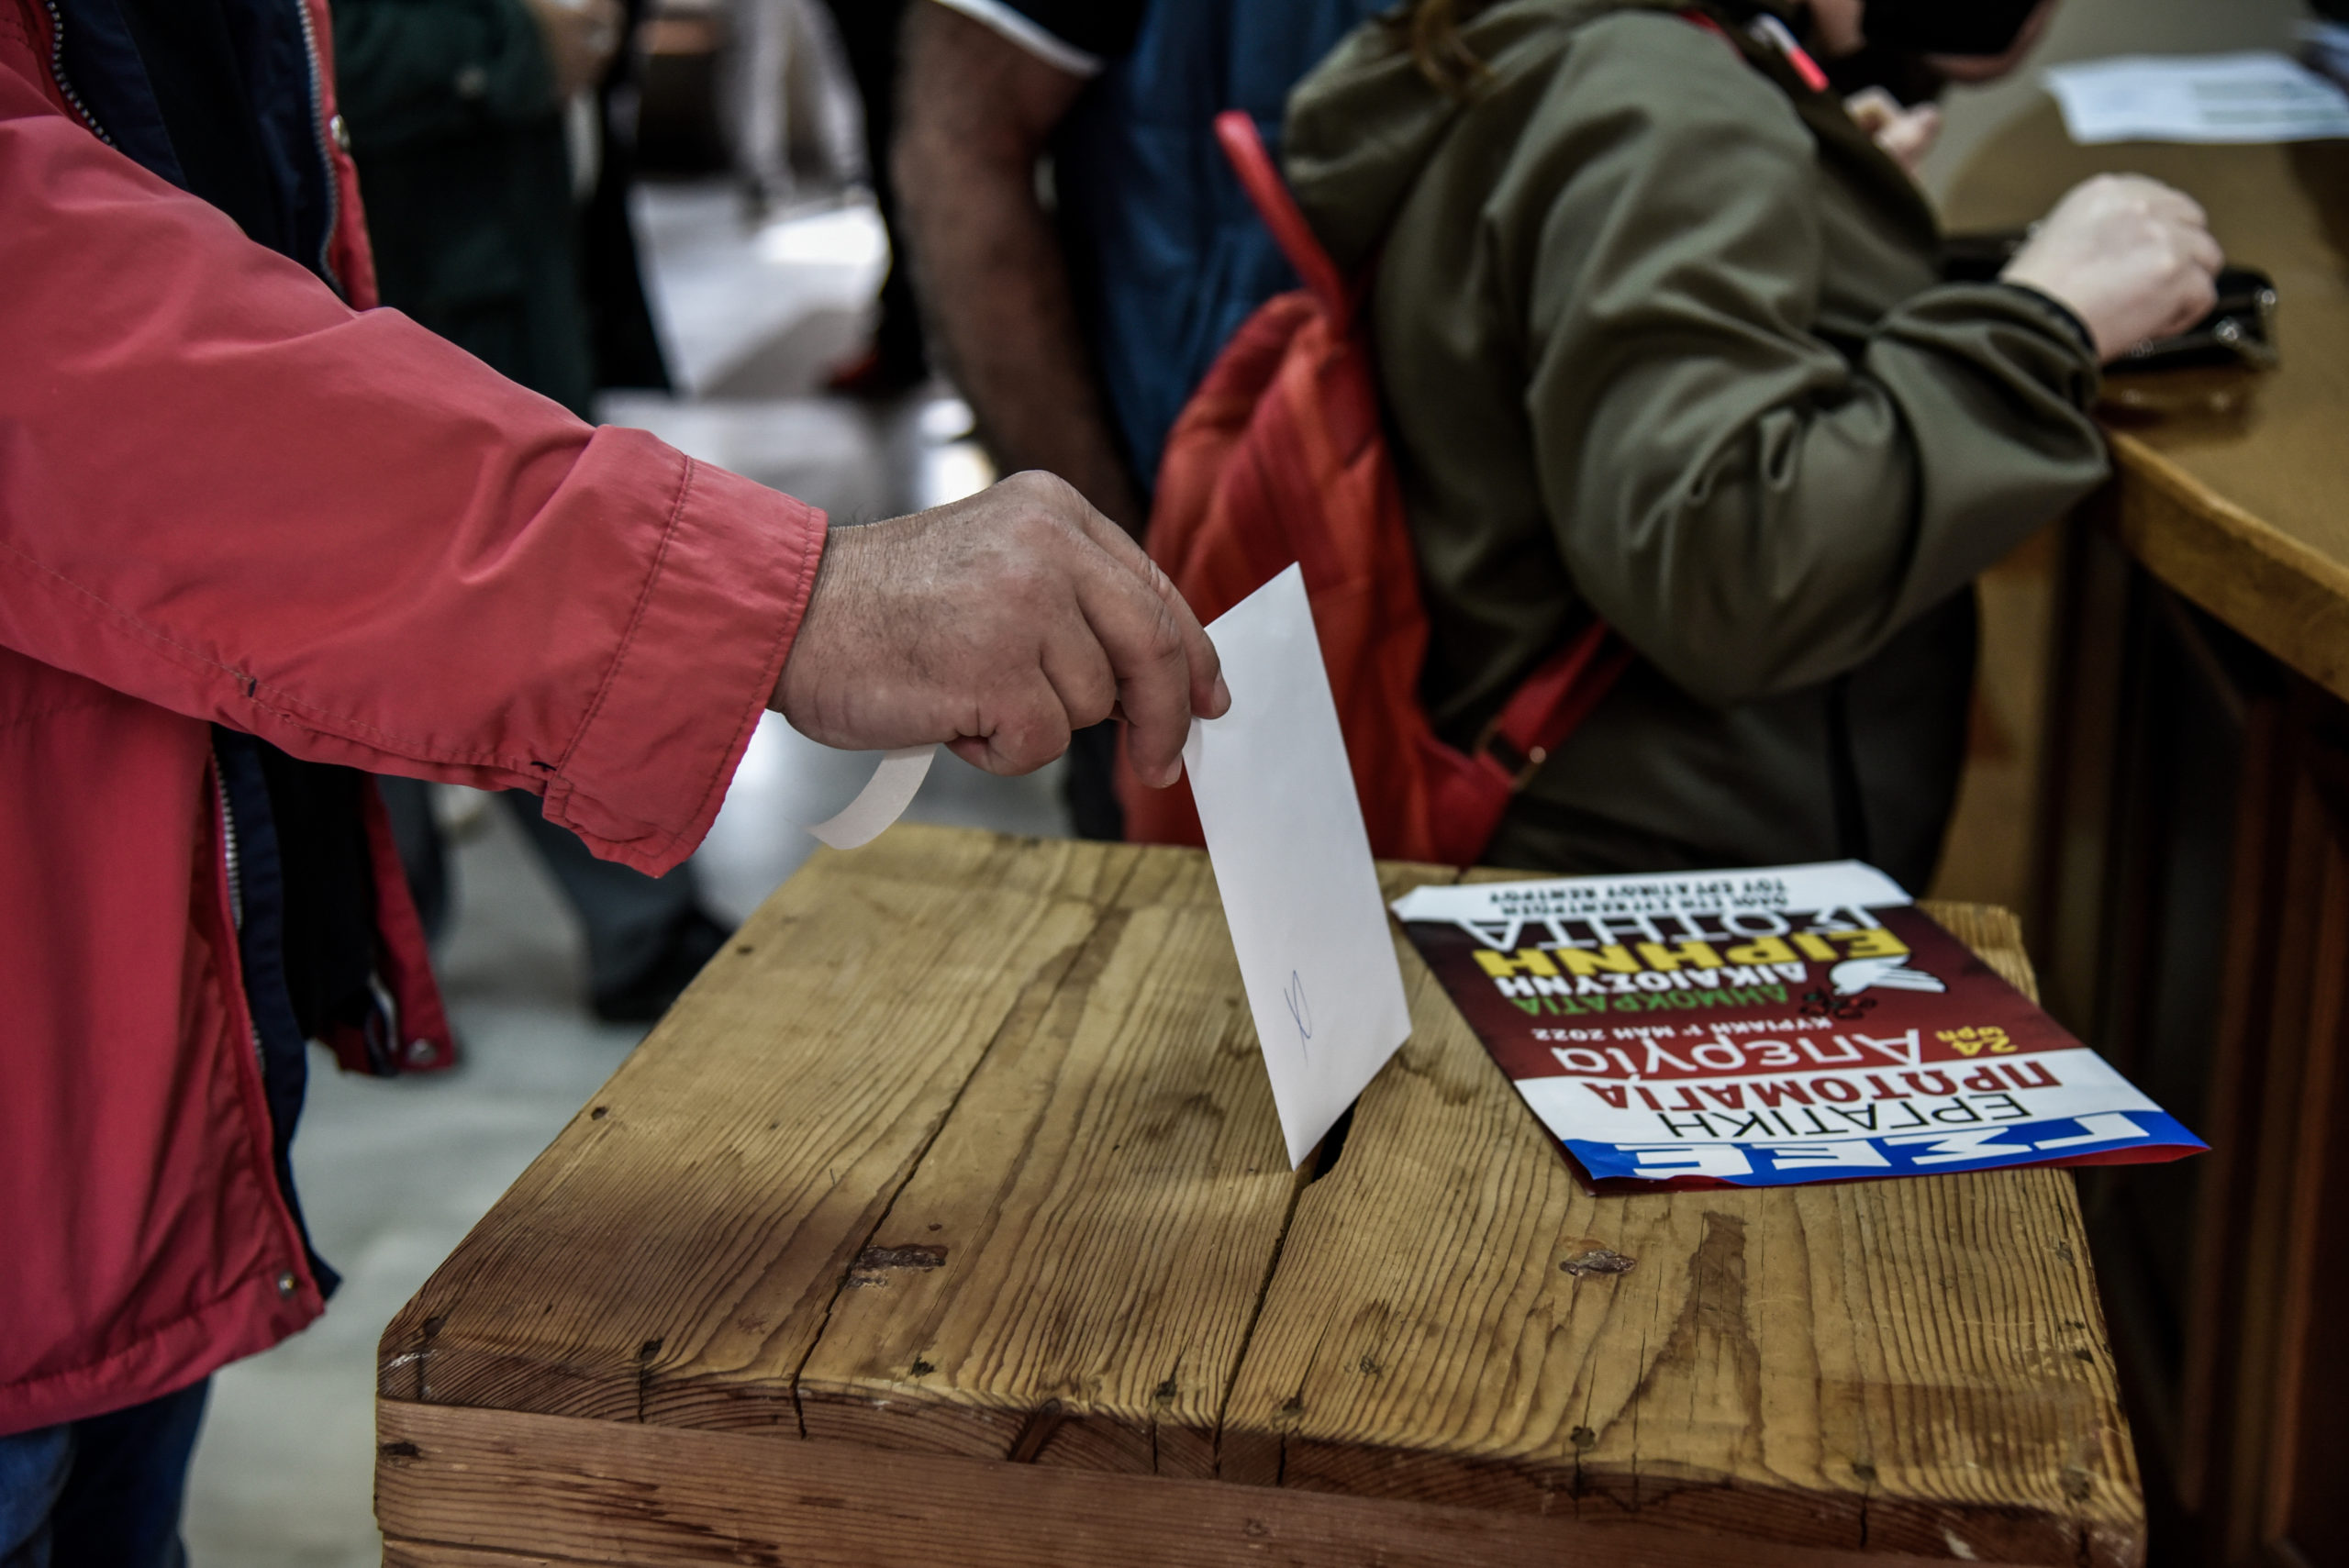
<point>994,284</point>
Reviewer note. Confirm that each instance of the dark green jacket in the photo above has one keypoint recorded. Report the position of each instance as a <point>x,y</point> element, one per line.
<point>1662,340</point>
<point>459,140</point>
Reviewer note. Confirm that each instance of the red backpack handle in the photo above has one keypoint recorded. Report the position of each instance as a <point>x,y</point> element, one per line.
<point>1236,130</point>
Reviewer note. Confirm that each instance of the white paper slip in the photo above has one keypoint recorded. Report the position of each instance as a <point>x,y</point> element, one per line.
<point>2259,96</point>
<point>882,801</point>
<point>1292,864</point>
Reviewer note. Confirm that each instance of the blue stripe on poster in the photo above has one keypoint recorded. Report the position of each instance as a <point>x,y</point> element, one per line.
<point>2105,1133</point>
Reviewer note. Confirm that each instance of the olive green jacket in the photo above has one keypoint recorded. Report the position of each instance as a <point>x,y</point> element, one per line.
<point>1662,340</point>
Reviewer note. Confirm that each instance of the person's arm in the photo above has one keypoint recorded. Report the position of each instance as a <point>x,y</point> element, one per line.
<point>977,113</point>
<point>1000,623</point>
<point>1755,508</point>
<point>226,494</point>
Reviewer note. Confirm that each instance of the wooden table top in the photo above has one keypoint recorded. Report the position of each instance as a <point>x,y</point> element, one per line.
<point>962,1148</point>
<point>2245,512</point>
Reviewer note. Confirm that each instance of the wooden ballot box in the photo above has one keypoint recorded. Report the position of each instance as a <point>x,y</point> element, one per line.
<point>946,1221</point>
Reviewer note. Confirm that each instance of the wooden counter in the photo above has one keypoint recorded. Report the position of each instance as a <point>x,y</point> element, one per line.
<point>945,1220</point>
<point>2245,513</point>
<point>2189,889</point>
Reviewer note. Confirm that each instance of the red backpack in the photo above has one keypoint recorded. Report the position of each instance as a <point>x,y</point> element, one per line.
<point>1280,457</point>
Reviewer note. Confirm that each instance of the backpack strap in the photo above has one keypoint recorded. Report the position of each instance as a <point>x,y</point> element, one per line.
<point>1550,704</point>
<point>1261,178</point>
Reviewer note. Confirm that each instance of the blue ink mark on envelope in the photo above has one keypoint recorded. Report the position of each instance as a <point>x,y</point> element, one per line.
<point>1300,1009</point>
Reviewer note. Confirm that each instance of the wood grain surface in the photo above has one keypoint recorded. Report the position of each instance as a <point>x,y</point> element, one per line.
<point>1917,1364</point>
<point>672,1255</point>
<point>490,1489</point>
<point>963,1155</point>
<point>1100,1215</point>
<point>2238,508</point>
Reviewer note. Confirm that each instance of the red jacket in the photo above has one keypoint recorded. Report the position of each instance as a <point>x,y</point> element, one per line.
<point>227,497</point>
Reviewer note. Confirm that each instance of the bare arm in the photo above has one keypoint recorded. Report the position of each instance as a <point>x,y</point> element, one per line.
<point>977,112</point>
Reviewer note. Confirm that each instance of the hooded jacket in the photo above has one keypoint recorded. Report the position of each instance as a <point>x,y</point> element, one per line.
<point>1663,342</point>
<point>230,497</point>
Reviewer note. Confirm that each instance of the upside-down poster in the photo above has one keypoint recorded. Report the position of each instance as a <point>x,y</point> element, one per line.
<point>1768,1026</point>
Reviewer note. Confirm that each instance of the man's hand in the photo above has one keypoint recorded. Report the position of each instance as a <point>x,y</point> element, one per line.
<point>2129,256</point>
<point>998,624</point>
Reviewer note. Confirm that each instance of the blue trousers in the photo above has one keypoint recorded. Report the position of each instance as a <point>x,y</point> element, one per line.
<point>101,1493</point>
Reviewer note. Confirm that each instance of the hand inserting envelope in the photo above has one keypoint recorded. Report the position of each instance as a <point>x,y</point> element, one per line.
<point>1292,860</point>
<point>1292,864</point>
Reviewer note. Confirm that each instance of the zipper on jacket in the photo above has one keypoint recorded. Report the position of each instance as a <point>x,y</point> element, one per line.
<point>231,864</point>
<point>57,73</point>
<point>319,133</point>
<point>228,863</point>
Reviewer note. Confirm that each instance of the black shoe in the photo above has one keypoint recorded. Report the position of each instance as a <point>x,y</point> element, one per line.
<point>643,1000</point>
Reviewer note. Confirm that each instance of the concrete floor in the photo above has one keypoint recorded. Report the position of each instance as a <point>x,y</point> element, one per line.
<point>394,1174</point>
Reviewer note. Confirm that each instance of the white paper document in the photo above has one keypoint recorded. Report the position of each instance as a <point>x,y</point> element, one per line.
<point>2256,96</point>
<point>882,801</point>
<point>1292,862</point>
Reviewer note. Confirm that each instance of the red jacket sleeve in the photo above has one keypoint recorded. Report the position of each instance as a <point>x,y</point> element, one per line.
<point>224,492</point>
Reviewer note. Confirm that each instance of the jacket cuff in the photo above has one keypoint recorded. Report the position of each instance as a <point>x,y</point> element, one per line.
<point>2058,309</point>
<point>2013,333</point>
<point>728,588</point>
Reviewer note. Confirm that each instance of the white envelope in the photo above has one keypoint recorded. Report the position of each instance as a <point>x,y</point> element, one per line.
<point>1292,864</point>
